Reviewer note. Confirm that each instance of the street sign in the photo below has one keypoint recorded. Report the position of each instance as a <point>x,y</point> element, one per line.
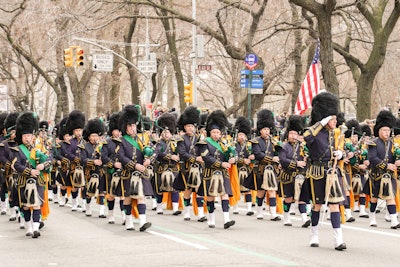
<point>251,61</point>
<point>257,81</point>
<point>147,66</point>
<point>103,62</point>
<point>204,67</point>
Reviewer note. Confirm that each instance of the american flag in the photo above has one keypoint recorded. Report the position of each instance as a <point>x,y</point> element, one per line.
<point>310,86</point>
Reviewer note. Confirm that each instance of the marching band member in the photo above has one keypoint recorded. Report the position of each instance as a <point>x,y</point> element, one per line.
<point>294,162</point>
<point>74,125</point>
<point>5,158</point>
<point>30,163</point>
<point>167,163</point>
<point>63,176</point>
<point>109,156</point>
<point>190,177</point>
<point>383,161</point>
<point>3,185</point>
<point>91,159</point>
<point>264,174</point>
<point>216,177</point>
<point>363,158</point>
<point>324,149</point>
<point>355,166</point>
<point>244,158</point>
<point>136,184</point>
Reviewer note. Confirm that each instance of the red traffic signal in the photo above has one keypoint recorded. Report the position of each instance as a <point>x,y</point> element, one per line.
<point>79,57</point>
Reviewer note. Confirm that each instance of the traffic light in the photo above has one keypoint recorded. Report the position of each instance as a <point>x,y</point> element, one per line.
<point>188,93</point>
<point>79,56</point>
<point>68,57</point>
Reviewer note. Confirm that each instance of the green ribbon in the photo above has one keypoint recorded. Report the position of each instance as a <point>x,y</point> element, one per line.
<point>132,141</point>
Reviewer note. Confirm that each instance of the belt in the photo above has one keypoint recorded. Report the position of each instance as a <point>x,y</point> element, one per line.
<point>326,164</point>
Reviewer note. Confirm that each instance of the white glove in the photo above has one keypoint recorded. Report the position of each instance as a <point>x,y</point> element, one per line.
<point>325,121</point>
<point>338,154</point>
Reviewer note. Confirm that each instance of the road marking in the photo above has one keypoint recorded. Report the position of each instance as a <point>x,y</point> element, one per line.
<point>343,226</point>
<point>227,246</point>
<point>179,240</point>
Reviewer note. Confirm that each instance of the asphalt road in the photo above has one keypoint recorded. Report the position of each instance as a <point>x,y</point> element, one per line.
<point>72,239</point>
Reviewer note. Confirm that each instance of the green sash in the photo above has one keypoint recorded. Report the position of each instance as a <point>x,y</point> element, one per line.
<point>215,144</point>
<point>27,154</point>
<point>132,141</point>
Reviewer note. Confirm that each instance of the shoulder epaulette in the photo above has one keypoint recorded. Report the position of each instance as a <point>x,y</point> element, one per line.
<point>15,148</point>
<point>253,141</point>
<point>202,142</point>
<point>81,146</point>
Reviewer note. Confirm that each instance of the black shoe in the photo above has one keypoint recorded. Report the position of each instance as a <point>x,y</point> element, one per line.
<point>41,225</point>
<point>187,219</point>
<point>211,226</point>
<point>306,224</point>
<point>12,219</point>
<point>395,227</point>
<point>229,224</point>
<point>36,234</point>
<point>235,212</point>
<point>154,209</point>
<point>277,218</point>
<point>145,226</point>
<point>250,213</point>
<point>29,234</point>
<point>341,247</point>
<point>3,213</point>
<point>364,216</point>
<point>202,219</point>
<point>102,216</point>
<point>314,245</point>
<point>176,213</point>
<point>351,219</point>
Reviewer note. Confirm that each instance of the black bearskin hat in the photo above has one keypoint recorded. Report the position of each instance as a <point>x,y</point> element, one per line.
<point>396,127</point>
<point>167,121</point>
<point>93,126</point>
<point>216,120</point>
<point>352,126</point>
<point>113,122</point>
<point>190,115</point>
<point>340,119</point>
<point>366,129</point>
<point>27,123</point>
<point>147,123</point>
<point>129,115</point>
<point>203,119</point>
<point>243,125</point>
<point>385,118</point>
<point>62,128</point>
<point>44,125</point>
<point>76,120</point>
<point>323,105</point>
<point>3,117</point>
<point>10,121</point>
<point>295,123</point>
<point>265,119</point>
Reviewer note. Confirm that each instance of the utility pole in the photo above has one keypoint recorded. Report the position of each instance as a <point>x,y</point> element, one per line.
<point>194,59</point>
